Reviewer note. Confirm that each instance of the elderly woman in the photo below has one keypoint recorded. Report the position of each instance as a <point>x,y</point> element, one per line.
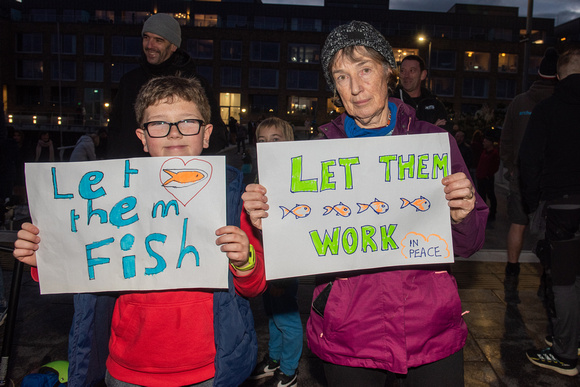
<point>391,324</point>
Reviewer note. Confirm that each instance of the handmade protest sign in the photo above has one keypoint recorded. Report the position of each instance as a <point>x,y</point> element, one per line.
<point>344,205</point>
<point>134,224</point>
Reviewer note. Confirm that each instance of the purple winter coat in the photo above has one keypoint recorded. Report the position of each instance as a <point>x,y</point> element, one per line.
<point>396,319</point>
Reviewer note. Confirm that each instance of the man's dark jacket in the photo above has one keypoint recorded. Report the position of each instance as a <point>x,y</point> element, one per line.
<point>549,155</point>
<point>427,106</point>
<point>123,142</point>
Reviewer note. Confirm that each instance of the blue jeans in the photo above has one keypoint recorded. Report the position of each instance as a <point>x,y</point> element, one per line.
<point>284,323</point>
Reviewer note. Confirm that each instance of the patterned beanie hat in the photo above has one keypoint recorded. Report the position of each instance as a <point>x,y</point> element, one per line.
<point>164,25</point>
<point>355,33</point>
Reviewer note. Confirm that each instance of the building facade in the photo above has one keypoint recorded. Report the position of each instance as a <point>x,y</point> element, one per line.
<point>62,60</point>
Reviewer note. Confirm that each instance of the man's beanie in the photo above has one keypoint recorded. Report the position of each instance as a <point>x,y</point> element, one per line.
<point>548,68</point>
<point>165,26</point>
<point>355,33</point>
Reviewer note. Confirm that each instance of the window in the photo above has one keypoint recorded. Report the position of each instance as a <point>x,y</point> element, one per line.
<point>304,24</point>
<point>230,106</point>
<point>231,50</point>
<point>504,34</point>
<point>205,21</point>
<point>268,23</point>
<point>236,21</point>
<point>441,31</point>
<point>302,105</point>
<point>94,45</point>
<point>263,104</point>
<point>105,16</point>
<point>507,63</point>
<point>506,88</point>
<point>29,69</point>
<point>476,61</point>
<point>231,77</point>
<point>29,43</point>
<point>119,69</point>
<point>443,60</point>
<point>200,48</point>
<point>67,70</point>
<point>67,44</point>
<point>205,72</point>
<point>265,51</point>
<point>65,95</point>
<point>444,87</point>
<point>302,80</point>
<point>131,17</point>
<point>126,46</point>
<point>29,95</point>
<point>43,15</point>
<point>476,87</point>
<point>264,78</point>
<point>93,72</point>
<point>303,53</point>
<point>93,99</point>
<point>75,16</point>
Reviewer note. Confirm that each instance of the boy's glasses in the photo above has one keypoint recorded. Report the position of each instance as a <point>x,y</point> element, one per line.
<point>158,129</point>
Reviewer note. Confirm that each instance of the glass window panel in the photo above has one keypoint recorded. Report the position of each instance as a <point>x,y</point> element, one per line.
<point>268,23</point>
<point>231,77</point>
<point>265,51</point>
<point>67,69</point>
<point>443,60</point>
<point>29,95</point>
<point>264,104</point>
<point>93,72</point>
<point>476,61</point>
<point>68,44</point>
<point>476,87</point>
<point>29,69</point>
<point>444,87</point>
<point>264,78</point>
<point>65,95</point>
<point>303,80</point>
<point>94,45</point>
<point>200,48</point>
<point>231,50</point>
<point>205,20</point>
<point>506,88</point>
<point>205,72</point>
<point>29,43</point>
<point>507,63</point>
<point>303,53</point>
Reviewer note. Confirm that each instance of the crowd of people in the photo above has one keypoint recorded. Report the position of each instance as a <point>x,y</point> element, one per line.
<point>366,330</point>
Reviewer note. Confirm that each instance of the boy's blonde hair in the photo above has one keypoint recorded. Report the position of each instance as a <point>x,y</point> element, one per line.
<point>276,122</point>
<point>169,87</point>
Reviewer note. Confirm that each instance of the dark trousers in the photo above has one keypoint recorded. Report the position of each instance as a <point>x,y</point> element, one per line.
<point>563,234</point>
<point>445,372</point>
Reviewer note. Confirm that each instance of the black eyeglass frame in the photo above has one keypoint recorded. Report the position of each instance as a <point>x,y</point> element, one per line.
<point>176,124</point>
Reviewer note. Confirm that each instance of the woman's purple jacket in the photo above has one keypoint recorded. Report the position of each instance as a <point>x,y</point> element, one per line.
<point>396,319</point>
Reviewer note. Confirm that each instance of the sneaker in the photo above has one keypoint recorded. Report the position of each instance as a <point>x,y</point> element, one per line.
<point>550,341</point>
<point>280,379</point>
<point>265,368</point>
<point>546,359</point>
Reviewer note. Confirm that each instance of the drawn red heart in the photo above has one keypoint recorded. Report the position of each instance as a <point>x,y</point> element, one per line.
<point>185,179</point>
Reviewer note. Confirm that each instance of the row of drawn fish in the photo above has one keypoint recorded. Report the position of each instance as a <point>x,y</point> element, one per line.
<point>302,210</point>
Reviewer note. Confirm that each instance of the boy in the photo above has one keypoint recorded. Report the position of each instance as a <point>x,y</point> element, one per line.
<point>284,323</point>
<point>183,337</point>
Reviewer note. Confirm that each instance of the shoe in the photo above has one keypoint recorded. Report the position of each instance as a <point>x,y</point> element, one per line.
<point>512,269</point>
<point>280,379</point>
<point>265,368</point>
<point>550,341</point>
<point>546,359</point>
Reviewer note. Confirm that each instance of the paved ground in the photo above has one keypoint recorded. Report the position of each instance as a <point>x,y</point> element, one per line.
<point>502,322</point>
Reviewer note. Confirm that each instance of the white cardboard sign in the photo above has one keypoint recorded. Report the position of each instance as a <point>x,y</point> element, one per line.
<point>129,224</point>
<point>344,205</point>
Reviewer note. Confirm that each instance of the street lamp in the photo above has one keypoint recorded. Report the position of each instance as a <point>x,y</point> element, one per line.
<point>423,39</point>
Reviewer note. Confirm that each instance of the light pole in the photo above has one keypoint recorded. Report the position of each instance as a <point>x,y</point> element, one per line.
<point>422,39</point>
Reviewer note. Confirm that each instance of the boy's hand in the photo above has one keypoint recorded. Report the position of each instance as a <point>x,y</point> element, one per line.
<point>256,204</point>
<point>460,195</point>
<point>27,243</point>
<point>234,242</point>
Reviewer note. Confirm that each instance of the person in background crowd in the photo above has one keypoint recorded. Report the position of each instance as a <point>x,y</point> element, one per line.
<point>514,125</point>
<point>411,91</point>
<point>549,166</point>
<point>485,173</point>
<point>161,39</point>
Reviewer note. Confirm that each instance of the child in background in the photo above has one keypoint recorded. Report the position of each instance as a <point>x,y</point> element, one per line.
<point>181,337</point>
<point>285,326</point>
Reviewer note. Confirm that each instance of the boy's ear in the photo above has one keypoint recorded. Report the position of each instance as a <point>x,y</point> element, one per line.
<point>141,134</point>
<point>206,134</point>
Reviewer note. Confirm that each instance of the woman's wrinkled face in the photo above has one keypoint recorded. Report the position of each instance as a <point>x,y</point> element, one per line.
<point>362,83</point>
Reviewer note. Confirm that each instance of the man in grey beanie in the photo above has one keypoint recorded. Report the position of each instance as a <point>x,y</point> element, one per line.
<point>162,55</point>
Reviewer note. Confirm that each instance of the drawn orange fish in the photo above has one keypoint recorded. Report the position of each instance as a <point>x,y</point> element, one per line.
<point>341,209</point>
<point>184,177</point>
<point>420,204</point>
<point>300,211</point>
<point>378,206</point>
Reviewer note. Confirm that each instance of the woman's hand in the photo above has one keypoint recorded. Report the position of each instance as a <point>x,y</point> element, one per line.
<point>460,195</point>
